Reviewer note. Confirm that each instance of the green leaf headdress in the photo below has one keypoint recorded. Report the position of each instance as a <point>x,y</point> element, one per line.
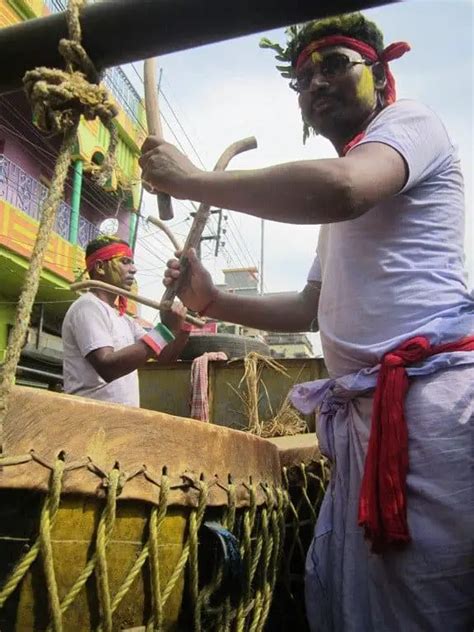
<point>300,35</point>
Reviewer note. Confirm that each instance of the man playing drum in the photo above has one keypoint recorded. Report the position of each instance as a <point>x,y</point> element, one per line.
<point>393,546</point>
<point>103,346</point>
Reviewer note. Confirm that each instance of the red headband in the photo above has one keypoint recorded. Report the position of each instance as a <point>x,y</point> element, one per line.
<point>106,253</point>
<point>393,51</point>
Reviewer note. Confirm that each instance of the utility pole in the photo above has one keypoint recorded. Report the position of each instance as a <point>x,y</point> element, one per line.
<point>216,238</point>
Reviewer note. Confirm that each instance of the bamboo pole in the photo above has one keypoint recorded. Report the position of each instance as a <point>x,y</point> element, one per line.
<point>194,236</point>
<point>166,230</point>
<point>117,32</point>
<point>153,121</point>
<point>100,285</point>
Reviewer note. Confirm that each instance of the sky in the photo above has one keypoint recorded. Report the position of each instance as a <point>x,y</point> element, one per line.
<point>227,91</point>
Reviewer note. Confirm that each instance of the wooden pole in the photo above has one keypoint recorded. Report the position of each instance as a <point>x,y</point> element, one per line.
<point>121,31</point>
<point>100,285</point>
<point>194,236</point>
<point>166,230</point>
<point>153,121</point>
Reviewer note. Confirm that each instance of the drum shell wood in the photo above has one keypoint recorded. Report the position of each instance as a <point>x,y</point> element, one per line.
<point>305,475</point>
<point>72,536</point>
<point>93,438</point>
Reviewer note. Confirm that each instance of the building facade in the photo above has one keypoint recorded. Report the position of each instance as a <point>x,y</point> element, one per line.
<point>245,282</point>
<point>289,345</point>
<point>26,164</point>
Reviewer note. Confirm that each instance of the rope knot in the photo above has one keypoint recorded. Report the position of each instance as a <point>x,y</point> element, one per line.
<point>59,98</point>
<point>115,480</point>
<point>393,360</point>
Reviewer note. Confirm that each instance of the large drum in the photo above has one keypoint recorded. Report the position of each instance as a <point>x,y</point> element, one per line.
<point>114,518</point>
<point>305,475</point>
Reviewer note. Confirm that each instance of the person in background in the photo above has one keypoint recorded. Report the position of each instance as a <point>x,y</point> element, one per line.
<point>103,346</point>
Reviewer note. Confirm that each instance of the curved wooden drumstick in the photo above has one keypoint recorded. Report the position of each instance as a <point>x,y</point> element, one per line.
<point>100,285</point>
<point>166,229</point>
<point>153,121</point>
<point>201,217</point>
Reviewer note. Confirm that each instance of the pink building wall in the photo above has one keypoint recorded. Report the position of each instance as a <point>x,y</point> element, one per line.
<point>33,153</point>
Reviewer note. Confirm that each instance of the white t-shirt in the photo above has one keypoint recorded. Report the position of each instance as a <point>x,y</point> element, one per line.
<point>90,324</point>
<point>398,270</point>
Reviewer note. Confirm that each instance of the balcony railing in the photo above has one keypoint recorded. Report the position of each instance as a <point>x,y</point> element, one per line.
<point>119,84</point>
<point>28,194</point>
<point>115,78</point>
<point>86,232</point>
<point>55,6</point>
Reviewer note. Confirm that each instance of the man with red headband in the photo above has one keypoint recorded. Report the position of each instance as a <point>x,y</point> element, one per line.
<point>393,546</point>
<point>103,347</point>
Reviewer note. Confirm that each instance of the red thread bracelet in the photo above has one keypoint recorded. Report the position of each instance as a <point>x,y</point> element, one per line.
<point>204,310</point>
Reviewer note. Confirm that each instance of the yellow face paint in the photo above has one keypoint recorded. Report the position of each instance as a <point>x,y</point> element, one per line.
<point>316,57</point>
<point>114,271</point>
<point>366,87</point>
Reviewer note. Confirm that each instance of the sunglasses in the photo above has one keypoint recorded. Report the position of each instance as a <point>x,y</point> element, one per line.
<point>330,67</point>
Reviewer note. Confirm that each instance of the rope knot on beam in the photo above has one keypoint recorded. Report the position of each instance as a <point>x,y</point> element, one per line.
<point>59,98</point>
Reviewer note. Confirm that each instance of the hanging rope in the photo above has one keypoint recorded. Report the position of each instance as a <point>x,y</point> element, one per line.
<point>58,99</point>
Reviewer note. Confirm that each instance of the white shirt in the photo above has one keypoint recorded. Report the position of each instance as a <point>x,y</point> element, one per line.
<point>398,270</point>
<point>91,324</point>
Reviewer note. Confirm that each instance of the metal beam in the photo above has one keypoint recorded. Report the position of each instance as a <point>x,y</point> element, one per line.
<point>120,31</point>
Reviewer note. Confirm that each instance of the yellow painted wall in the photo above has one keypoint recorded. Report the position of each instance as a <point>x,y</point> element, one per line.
<point>94,137</point>
<point>27,9</point>
<point>8,15</point>
<point>18,233</point>
<point>7,317</point>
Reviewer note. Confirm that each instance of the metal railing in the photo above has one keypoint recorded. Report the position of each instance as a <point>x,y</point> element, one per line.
<point>55,5</point>
<point>114,78</point>
<point>119,84</point>
<point>86,232</point>
<point>28,194</point>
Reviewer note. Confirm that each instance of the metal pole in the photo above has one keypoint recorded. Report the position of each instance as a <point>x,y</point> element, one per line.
<point>218,236</point>
<point>47,374</point>
<point>75,200</point>
<point>40,326</point>
<point>121,31</point>
<point>132,240</point>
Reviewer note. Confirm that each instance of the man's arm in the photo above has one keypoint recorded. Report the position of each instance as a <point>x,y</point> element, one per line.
<point>172,351</point>
<point>174,319</point>
<point>305,192</point>
<point>111,365</point>
<point>295,312</point>
<point>159,343</point>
